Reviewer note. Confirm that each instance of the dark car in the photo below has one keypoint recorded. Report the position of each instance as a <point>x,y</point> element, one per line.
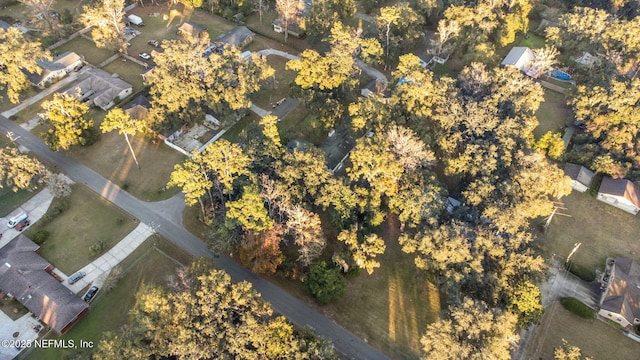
<point>22,225</point>
<point>90,294</point>
<point>155,43</point>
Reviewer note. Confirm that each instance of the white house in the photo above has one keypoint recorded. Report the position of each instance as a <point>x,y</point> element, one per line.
<point>620,193</point>
<point>581,177</point>
<point>100,88</point>
<point>521,57</point>
<point>621,299</point>
<point>58,68</point>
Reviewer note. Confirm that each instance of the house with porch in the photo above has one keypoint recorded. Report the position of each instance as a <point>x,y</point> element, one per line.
<point>55,69</point>
<point>27,277</point>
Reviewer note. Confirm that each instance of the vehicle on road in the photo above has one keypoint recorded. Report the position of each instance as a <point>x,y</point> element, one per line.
<point>75,277</point>
<point>145,56</point>
<point>16,219</point>
<point>90,294</point>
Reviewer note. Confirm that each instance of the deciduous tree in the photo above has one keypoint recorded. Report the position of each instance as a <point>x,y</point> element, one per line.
<point>68,118</point>
<point>306,228</point>
<point>261,252</point>
<point>249,212</point>
<point>191,176</point>
<point>18,54</point>
<point>116,119</point>
<point>364,248</point>
<point>107,19</point>
<point>288,11</point>
<point>19,171</point>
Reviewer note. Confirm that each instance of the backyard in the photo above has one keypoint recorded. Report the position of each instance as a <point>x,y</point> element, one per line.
<point>595,338</point>
<point>270,92</point>
<point>149,264</point>
<point>84,219</point>
<point>553,114</point>
<point>603,230</point>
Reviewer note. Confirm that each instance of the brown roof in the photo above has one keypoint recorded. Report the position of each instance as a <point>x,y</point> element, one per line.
<point>191,28</point>
<point>138,108</point>
<point>622,188</point>
<point>579,173</point>
<point>23,275</point>
<point>623,293</point>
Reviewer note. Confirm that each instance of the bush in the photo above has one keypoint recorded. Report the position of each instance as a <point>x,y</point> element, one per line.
<point>40,237</point>
<point>583,273</point>
<point>325,283</point>
<point>575,306</point>
<point>98,248</point>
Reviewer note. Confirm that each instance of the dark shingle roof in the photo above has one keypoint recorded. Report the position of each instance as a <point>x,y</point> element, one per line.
<point>235,36</point>
<point>23,275</point>
<point>138,107</point>
<point>621,187</point>
<point>192,28</point>
<point>623,293</point>
<point>579,173</point>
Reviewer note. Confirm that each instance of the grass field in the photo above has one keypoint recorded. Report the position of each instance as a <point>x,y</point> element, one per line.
<point>12,308</point>
<point>389,309</point>
<point>129,71</point>
<point>595,338</point>
<point>88,218</point>
<point>110,310</point>
<point>603,230</point>
<point>553,114</point>
<point>111,158</point>
<point>85,47</point>
<point>268,95</point>
<point>10,200</point>
<point>234,133</point>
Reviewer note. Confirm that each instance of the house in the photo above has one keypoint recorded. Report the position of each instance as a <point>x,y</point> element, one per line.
<point>147,72</point>
<point>26,276</point>
<point>620,193</point>
<point>521,58</point>
<point>294,28</point>
<point>581,177</point>
<point>239,36</point>
<point>620,301</point>
<point>138,108</point>
<point>376,87</point>
<point>100,88</point>
<point>59,67</point>
<point>192,29</point>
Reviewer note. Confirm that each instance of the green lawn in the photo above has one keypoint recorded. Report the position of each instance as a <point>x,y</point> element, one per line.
<point>10,200</point>
<point>12,308</point>
<point>595,338</point>
<point>266,29</point>
<point>603,230</point>
<point>234,133</point>
<point>553,114</point>
<point>389,309</point>
<point>88,218</point>
<point>534,41</point>
<point>129,71</point>
<point>110,310</point>
<point>85,47</point>
<point>270,94</point>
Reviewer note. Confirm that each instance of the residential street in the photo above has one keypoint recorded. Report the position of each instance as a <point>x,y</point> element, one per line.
<point>169,225</point>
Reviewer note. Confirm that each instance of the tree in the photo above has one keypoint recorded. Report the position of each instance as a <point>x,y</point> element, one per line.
<point>324,14</point>
<point>227,162</point>
<point>306,228</point>
<point>261,252</point>
<point>364,248</point>
<point>325,283</point>
<point>59,185</point>
<point>107,19</point>
<point>388,16</point>
<point>551,145</point>
<point>568,352</point>
<point>42,9</point>
<point>213,319</point>
<point>526,302</point>
<point>192,177</point>
<point>288,11</point>
<point>472,331</point>
<point>399,27</point>
<point>19,171</point>
<point>116,119</point>
<point>67,116</point>
<point>17,55</point>
<point>249,212</point>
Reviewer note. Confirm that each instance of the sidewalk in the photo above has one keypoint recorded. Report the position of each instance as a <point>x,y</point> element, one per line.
<point>98,270</point>
<point>35,207</point>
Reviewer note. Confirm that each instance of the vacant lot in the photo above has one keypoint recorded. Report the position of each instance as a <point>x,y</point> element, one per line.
<point>111,158</point>
<point>85,47</point>
<point>88,218</point>
<point>603,230</point>
<point>389,309</point>
<point>277,87</point>
<point>149,264</point>
<point>594,337</point>
<point>553,114</point>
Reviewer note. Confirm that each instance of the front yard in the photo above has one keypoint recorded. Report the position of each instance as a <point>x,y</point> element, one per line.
<point>84,220</point>
<point>149,264</point>
<point>595,338</point>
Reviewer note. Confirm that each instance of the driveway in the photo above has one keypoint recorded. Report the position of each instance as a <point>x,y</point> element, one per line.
<point>281,301</point>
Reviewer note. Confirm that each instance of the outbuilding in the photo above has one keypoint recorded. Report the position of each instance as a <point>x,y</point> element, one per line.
<point>621,193</point>
<point>581,177</point>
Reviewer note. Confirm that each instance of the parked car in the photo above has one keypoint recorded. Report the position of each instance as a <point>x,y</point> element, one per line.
<point>155,43</point>
<point>16,219</point>
<point>75,277</point>
<point>90,294</point>
<point>145,56</point>
<point>22,225</point>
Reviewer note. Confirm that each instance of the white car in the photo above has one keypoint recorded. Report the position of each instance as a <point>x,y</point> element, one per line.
<point>145,56</point>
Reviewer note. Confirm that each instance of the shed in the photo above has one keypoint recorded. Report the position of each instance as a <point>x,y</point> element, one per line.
<point>521,58</point>
<point>191,29</point>
<point>239,36</point>
<point>581,177</point>
<point>621,193</point>
<point>294,28</point>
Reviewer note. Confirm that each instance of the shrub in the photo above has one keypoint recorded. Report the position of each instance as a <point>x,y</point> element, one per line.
<point>98,248</point>
<point>583,273</point>
<point>325,283</point>
<point>40,237</point>
<point>575,306</point>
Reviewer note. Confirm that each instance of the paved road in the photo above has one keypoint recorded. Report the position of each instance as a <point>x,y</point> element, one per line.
<point>167,225</point>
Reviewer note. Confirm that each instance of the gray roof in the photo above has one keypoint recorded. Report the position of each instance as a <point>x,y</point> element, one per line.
<point>191,28</point>
<point>623,293</point>
<point>4,25</point>
<point>138,107</point>
<point>60,62</point>
<point>236,36</point>
<point>516,53</point>
<point>23,275</point>
<point>105,86</point>
<point>579,173</point>
<point>622,188</point>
